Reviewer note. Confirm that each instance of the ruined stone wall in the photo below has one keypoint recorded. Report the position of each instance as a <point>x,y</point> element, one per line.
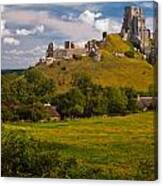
<point>134,29</point>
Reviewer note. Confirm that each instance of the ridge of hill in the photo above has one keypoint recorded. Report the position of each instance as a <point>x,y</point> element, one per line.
<point>110,71</point>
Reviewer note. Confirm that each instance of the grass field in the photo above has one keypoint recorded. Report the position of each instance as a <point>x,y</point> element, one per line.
<point>121,147</point>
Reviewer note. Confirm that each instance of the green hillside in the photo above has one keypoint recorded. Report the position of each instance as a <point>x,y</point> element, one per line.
<point>110,71</point>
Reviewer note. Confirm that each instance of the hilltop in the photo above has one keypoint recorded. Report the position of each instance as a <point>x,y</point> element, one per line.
<point>114,69</point>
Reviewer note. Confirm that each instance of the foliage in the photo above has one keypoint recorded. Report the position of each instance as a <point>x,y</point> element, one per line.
<point>71,104</point>
<point>23,96</point>
<point>152,90</point>
<point>82,81</point>
<point>131,94</point>
<point>24,157</point>
<point>117,101</point>
<point>130,54</point>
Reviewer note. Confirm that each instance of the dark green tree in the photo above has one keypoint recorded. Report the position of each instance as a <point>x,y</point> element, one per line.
<point>117,101</point>
<point>71,104</point>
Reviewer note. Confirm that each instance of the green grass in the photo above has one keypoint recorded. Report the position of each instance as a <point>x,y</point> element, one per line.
<point>122,147</point>
<point>112,71</point>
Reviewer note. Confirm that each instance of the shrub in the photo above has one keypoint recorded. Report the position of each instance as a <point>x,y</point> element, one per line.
<point>130,54</point>
<point>23,156</point>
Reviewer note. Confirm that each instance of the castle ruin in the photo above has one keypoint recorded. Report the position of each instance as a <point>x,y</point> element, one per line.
<point>72,51</point>
<point>134,29</point>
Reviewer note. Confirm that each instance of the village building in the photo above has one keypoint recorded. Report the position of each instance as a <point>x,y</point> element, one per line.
<point>146,103</point>
<point>52,111</point>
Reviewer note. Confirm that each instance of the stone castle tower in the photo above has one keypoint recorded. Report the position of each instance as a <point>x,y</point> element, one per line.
<point>134,29</point>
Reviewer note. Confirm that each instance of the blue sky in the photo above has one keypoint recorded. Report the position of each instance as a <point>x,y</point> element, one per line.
<point>27,29</point>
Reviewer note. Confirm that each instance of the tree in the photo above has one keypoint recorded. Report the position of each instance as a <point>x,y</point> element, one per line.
<point>33,112</point>
<point>132,99</point>
<point>96,101</point>
<point>82,81</point>
<point>23,95</point>
<point>71,104</point>
<point>117,101</point>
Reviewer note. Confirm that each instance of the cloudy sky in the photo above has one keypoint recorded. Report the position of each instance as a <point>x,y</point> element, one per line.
<point>26,30</point>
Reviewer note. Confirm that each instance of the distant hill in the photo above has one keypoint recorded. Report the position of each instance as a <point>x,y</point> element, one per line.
<point>9,71</point>
<point>110,71</point>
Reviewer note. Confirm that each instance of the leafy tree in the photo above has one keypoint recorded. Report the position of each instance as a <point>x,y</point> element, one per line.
<point>39,84</point>
<point>33,112</point>
<point>132,99</point>
<point>71,104</point>
<point>117,101</point>
<point>82,81</point>
<point>96,101</point>
<point>21,96</point>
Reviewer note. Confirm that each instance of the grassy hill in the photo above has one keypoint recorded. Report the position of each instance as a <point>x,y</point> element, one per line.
<point>111,71</point>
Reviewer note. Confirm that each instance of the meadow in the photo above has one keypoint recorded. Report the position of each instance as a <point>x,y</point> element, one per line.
<point>121,147</point>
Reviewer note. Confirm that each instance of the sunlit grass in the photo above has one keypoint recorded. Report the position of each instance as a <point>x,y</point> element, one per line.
<point>118,144</point>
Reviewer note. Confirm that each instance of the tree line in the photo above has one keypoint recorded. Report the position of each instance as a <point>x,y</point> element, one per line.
<point>23,98</point>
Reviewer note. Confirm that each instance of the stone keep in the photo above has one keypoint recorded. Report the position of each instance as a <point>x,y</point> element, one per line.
<point>49,52</point>
<point>134,29</point>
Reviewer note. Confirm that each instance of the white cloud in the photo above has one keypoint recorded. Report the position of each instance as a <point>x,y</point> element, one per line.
<point>11,41</point>
<point>40,28</point>
<point>89,17</point>
<point>109,25</point>
<point>36,51</point>
<point>70,17</point>
<point>102,25</point>
<point>75,30</point>
<point>147,4</point>
<point>25,32</point>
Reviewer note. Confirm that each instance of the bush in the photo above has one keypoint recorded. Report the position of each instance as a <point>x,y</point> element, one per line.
<point>130,54</point>
<point>6,114</point>
<point>23,156</point>
<point>32,112</point>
